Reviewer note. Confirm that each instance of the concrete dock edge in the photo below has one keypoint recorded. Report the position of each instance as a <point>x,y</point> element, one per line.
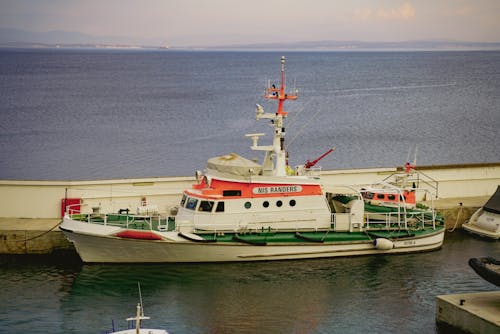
<point>470,312</point>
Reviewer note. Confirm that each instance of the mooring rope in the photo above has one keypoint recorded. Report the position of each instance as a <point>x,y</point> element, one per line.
<point>42,234</point>
<point>458,216</point>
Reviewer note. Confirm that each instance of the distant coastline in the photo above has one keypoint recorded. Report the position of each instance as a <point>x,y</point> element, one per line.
<point>306,46</point>
<point>16,38</point>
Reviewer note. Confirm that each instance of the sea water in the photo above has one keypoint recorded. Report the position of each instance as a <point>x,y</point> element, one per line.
<point>99,114</point>
<point>86,114</point>
<point>367,294</point>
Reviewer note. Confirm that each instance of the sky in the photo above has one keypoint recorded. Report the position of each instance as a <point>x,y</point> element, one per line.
<point>227,22</point>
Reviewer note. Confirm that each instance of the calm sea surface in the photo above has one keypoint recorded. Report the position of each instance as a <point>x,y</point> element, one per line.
<point>110,114</point>
<point>370,294</point>
<point>73,114</point>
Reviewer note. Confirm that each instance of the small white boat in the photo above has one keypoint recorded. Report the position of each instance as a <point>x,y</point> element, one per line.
<point>134,323</point>
<point>240,210</point>
<point>485,222</point>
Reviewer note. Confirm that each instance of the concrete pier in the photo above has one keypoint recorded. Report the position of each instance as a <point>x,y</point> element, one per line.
<point>470,312</point>
<point>31,236</point>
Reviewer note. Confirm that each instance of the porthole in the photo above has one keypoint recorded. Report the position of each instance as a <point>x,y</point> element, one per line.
<point>248,205</point>
<point>265,204</point>
<point>292,202</point>
<point>279,204</point>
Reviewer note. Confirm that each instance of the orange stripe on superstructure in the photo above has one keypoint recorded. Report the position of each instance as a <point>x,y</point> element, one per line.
<point>217,187</point>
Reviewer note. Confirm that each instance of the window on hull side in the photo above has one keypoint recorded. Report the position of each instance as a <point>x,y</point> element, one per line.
<point>183,200</point>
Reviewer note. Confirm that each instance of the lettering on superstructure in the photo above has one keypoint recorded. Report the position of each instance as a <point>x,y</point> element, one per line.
<point>276,190</point>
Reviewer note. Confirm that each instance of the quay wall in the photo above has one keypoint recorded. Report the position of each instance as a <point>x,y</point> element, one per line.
<point>42,199</point>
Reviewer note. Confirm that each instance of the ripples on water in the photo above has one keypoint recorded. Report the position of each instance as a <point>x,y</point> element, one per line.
<point>372,294</point>
<point>112,114</point>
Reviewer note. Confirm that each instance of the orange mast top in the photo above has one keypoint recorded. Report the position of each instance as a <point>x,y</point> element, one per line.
<point>278,93</point>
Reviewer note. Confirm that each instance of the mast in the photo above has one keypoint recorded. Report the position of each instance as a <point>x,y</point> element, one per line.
<point>275,159</point>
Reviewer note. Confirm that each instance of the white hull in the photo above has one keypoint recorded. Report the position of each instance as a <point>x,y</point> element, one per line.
<point>484,224</point>
<point>95,247</point>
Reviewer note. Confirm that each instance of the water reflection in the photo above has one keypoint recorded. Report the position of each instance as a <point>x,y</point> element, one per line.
<point>375,294</point>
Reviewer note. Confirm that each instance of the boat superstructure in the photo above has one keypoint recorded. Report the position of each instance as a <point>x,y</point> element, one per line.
<point>240,210</point>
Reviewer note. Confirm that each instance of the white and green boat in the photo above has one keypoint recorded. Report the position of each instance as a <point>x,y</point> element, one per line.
<point>240,210</point>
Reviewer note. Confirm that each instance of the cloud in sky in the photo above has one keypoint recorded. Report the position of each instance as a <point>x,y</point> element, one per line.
<point>403,12</point>
<point>218,22</point>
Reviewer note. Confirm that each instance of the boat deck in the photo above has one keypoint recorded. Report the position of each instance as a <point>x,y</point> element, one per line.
<point>136,222</point>
<point>262,236</point>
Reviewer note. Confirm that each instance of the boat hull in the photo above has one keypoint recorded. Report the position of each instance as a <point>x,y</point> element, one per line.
<point>488,268</point>
<point>484,224</point>
<point>98,248</point>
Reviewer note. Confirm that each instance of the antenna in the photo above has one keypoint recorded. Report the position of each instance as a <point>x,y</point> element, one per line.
<point>140,299</point>
<point>415,159</point>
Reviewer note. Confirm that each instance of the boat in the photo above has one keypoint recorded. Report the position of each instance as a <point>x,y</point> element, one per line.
<point>242,210</point>
<point>397,194</point>
<point>488,268</point>
<point>485,222</point>
<point>385,198</point>
<point>134,323</point>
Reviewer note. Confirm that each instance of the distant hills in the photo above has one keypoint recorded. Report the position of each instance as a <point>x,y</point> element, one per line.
<point>361,45</point>
<point>58,38</point>
<point>29,39</point>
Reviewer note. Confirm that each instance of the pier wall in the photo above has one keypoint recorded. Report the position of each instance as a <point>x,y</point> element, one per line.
<point>42,199</point>
<point>475,313</point>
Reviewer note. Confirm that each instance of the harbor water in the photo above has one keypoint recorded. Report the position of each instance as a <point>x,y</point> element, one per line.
<point>101,114</point>
<point>371,294</point>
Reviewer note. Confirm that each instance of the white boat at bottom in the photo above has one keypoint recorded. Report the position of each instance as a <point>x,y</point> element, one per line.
<point>240,210</point>
<point>134,323</point>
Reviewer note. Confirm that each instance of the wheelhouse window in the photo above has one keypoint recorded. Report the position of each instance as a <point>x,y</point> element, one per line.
<point>206,206</point>
<point>220,207</point>
<point>183,200</point>
<point>191,203</point>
